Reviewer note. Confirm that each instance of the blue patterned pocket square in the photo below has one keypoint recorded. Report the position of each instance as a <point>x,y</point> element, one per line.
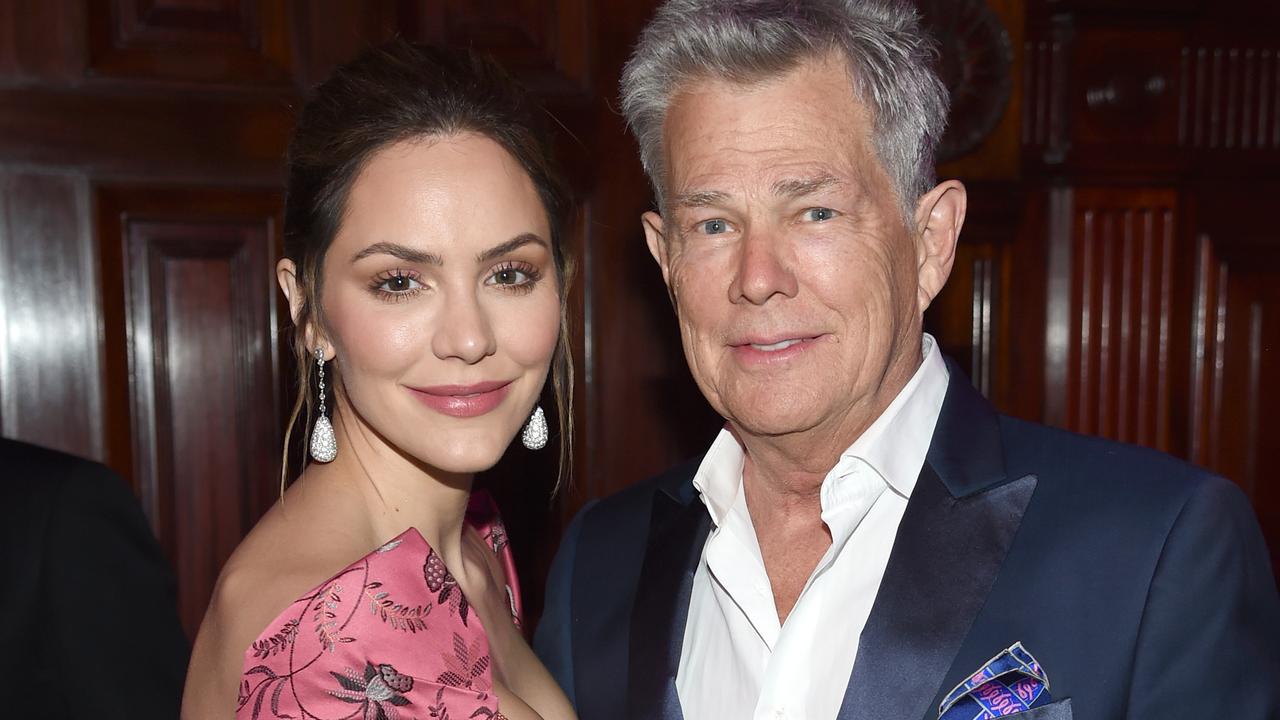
<point>1009,683</point>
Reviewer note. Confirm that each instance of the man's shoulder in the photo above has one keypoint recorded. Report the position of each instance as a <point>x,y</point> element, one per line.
<point>1114,472</point>
<point>40,477</point>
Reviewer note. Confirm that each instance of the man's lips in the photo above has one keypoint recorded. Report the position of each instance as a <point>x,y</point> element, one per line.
<point>773,348</point>
<point>463,400</point>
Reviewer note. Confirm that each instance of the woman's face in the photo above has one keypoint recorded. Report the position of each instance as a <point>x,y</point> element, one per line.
<point>440,300</point>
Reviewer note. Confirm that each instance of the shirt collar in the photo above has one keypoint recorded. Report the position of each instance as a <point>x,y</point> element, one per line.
<point>895,445</point>
<point>719,476</point>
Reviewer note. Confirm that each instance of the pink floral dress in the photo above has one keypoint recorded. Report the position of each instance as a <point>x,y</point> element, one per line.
<point>389,638</point>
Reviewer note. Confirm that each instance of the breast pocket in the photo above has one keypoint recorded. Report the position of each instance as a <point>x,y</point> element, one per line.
<point>1060,710</point>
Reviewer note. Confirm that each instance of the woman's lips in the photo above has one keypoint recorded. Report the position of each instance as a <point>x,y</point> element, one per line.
<point>463,401</point>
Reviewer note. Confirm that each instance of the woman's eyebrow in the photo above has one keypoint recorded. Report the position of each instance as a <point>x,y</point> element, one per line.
<point>403,252</point>
<point>514,243</point>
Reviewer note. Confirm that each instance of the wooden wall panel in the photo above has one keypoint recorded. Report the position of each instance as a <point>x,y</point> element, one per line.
<point>41,41</point>
<point>971,317</point>
<point>1044,74</point>
<point>197,300</point>
<point>209,41</point>
<point>174,139</point>
<point>544,42</point>
<point>1230,98</point>
<point>1118,379</point>
<point>1232,417</point>
<point>50,326</point>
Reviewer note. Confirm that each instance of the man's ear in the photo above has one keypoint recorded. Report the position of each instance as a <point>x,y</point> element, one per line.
<point>287,276</point>
<point>939,217</point>
<point>655,236</point>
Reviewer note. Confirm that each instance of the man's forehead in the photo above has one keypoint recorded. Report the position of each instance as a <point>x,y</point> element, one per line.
<point>785,183</point>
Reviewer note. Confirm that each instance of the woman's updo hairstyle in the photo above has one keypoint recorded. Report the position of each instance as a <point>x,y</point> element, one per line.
<point>402,91</point>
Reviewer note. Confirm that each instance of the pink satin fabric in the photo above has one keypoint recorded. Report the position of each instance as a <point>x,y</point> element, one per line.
<point>390,637</point>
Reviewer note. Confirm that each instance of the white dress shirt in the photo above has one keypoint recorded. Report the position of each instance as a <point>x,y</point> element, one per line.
<point>737,660</point>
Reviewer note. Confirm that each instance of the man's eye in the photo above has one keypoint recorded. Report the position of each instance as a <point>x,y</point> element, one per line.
<point>715,227</point>
<point>819,214</point>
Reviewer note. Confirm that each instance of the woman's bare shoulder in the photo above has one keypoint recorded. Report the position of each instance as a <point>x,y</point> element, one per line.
<point>294,548</point>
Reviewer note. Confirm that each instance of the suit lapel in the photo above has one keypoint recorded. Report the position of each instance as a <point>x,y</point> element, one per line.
<point>677,532</point>
<point>957,529</point>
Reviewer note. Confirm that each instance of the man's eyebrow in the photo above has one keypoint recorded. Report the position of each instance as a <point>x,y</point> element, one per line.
<point>700,198</point>
<point>800,187</point>
<point>403,252</point>
<point>514,243</point>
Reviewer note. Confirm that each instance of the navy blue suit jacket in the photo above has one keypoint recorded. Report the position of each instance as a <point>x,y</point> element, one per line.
<point>1140,583</point>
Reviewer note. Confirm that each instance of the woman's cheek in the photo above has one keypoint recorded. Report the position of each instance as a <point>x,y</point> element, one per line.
<point>531,332</point>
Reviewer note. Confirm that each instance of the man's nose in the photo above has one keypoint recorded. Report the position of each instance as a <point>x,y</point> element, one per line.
<point>465,331</point>
<point>762,270</point>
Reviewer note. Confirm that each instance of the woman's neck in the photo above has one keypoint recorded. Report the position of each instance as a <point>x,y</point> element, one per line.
<point>394,492</point>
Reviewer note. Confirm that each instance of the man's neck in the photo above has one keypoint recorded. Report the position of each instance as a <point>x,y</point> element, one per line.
<point>780,469</point>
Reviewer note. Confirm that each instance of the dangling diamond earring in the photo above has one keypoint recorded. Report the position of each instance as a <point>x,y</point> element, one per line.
<point>534,436</point>
<point>324,445</point>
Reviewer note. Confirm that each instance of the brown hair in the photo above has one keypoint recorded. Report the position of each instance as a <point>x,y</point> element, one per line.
<point>394,92</point>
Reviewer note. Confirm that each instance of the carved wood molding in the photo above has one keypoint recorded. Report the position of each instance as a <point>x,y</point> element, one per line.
<point>208,42</point>
<point>976,63</point>
<point>1116,315</point>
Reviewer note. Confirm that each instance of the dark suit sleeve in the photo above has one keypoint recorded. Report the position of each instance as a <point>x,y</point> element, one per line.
<point>1209,645</point>
<point>111,616</point>
<point>553,639</point>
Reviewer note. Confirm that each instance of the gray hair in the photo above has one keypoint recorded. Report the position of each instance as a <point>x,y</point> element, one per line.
<point>890,57</point>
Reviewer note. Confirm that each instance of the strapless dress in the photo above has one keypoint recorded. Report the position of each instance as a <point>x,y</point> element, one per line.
<point>390,637</point>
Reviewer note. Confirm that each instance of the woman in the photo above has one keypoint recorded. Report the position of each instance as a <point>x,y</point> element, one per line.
<point>425,275</point>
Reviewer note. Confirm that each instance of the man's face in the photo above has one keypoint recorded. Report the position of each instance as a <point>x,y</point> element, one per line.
<point>798,285</point>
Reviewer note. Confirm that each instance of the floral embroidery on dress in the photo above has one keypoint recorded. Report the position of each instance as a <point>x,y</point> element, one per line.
<point>410,618</point>
<point>468,664</point>
<point>376,688</point>
<point>279,642</point>
<point>440,580</point>
<point>325,617</point>
<point>497,537</point>
<point>376,642</point>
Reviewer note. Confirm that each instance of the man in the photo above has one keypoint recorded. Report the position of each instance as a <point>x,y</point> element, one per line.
<point>867,533</point>
<point>88,615</point>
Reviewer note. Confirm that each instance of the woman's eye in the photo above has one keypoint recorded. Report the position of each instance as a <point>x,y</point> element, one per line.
<point>715,227</point>
<point>510,276</point>
<point>819,214</point>
<point>514,277</point>
<point>399,284</point>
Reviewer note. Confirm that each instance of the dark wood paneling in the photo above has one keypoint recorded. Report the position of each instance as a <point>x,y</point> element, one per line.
<point>1233,418</point>
<point>1118,382</point>
<point>543,42</point>
<point>1230,98</point>
<point>222,42</point>
<point>971,317</point>
<point>41,41</point>
<point>165,137</point>
<point>198,302</point>
<point>50,379</point>
<point>330,32</point>
<point>1154,130</point>
<point>1044,127</point>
